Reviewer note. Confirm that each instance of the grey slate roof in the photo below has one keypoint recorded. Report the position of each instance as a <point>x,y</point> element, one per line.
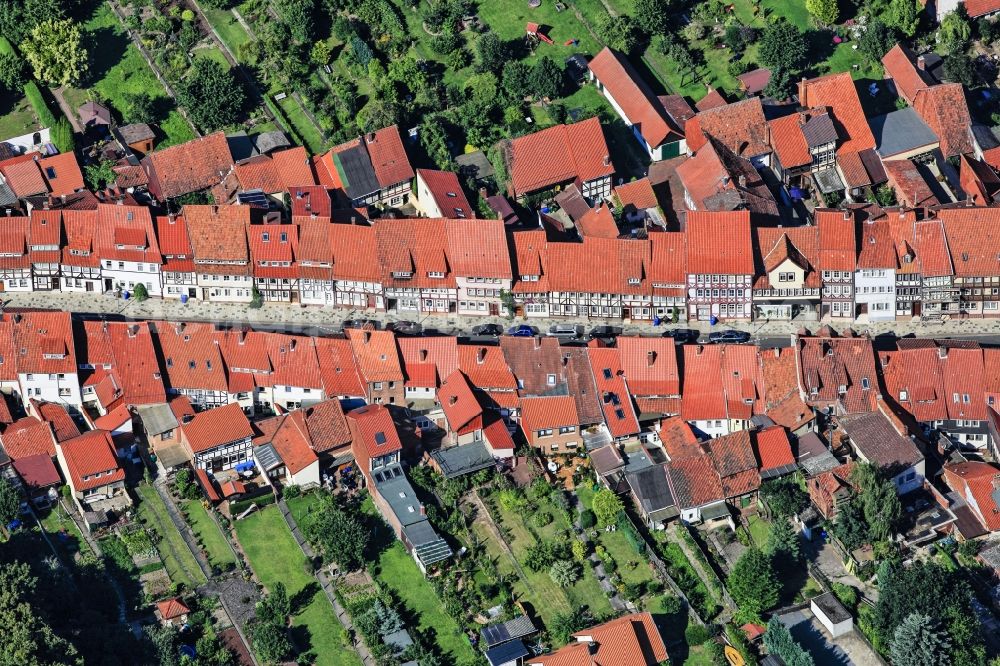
<point>900,131</point>
<point>831,607</point>
<point>357,171</point>
<point>157,419</point>
<point>819,130</point>
<point>814,456</point>
<point>135,132</point>
<point>475,165</point>
<point>268,141</point>
<point>458,460</point>
<point>878,441</point>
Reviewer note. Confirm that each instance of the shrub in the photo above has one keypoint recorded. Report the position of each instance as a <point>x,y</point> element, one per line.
<point>696,634</point>
<point>541,518</point>
<point>587,519</point>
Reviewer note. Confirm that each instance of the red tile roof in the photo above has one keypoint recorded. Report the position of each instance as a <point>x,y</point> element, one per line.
<point>931,245</point>
<point>668,271</point>
<point>447,193</point>
<point>630,640</point>
<point>742,380</point>
<point>373,430</point>
<point>838,94</point>
<point>558,154</point>
<point>616,402</point>
<point>694,481</point>
<point>89,458</point>
<point>355,253</point>
<point>944,110</point>
<point>377,355</point>
<point>24,178</point>
<point>638,194</point>
<point>977,482</point>
<point>37,471</point>
<point>81,228</point>
<point>65,176</point>
<point>973,239</point>
<point>126,233</point>
<point>385,148</point>
<point>290,437</point>
<point>834,370</point>
<point>703,396</point>
<point>216,427</point>
<point>277,172</point>
<point>633,96</point>
<point>439,353</point>
<point>734,460</point>
<point>712,100</point>
<point>789,142</point>
<point>43,343</point>
<point>541,412</point>
<point>900,66</point>
<point>28,436</point>
<point>977,8</point>
<point>650,365</point>
<point>338,368</point>
<point>716,179</point>
<point>191,358</point>
<point>719,242</point>
<point>459,403</point>
<point>62,424</point>
<point>486,367</point>
<point>196,165</point>
<point>172,234</point>
<point>478,248</point>
<point>598,223</point>
<point>678,440</point>
<point>600,265</point>
<point>782,402</point>
<point>773,449</point>
<point>171,608</point>
<point>218,233</point>
<point>739,126</point>
<point>309,201</point>
<point>837,249</point>
<point>327,426</point>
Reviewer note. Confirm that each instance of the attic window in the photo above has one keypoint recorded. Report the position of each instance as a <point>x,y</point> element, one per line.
<point>550,380</point>
<point>266,237</point>
<point>633,280</point>
<point>620,413</point>
<point>380,438</point>
<point>452,195</point>
<point>50,173</point>
<point>459,213</point>
<point>954,397</point>
<point>284,236</point>
<point>170,362</point>
<point>435,274</point>
<point>607,373</point>
<point>965,256</point>
<point>191,365</point>
<point>128,216</point>
<point>903,396</point>
<point>965,398</point>
<point>865,384</point>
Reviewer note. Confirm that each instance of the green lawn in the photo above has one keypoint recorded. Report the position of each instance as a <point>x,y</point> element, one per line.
<point>303,126</point>
<point>62,531</point>
<point>177,558</point>
<point>117,68</point>
<point>508,19</point>
<point>208,533</point>
<point>232,33</point>
<point>699,656</point>
<point>274,556</point>
<point>398,571</point>
<point>212,53</point>
<point>760,529</point>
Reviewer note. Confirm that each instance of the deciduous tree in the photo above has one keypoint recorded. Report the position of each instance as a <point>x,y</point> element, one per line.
<point>546,78</point>
<point>620,32</point>
<point>564,573</point>
<point>824,11</point>
<point>876,40</point>
<point>491,53</point>
<point>782,46</point>
<point>653,16</point>
<point>904,15</point>
<point>607,505</point>
<point>12,76</point>
<point>212,95</point>
<point>55,51</point>
<point>340,535</point>
<point>10,502</point>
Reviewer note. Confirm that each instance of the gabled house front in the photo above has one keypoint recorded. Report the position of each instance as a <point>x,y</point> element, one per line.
<point>218,439</point>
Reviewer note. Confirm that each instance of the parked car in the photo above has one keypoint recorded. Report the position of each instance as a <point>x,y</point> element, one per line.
<point>360,323</point>
<point>404,327</point>
<point>603,333</point>
<point>682,335</point>
<point>488,329</point>
<point>521,331</point>
<point>729,337</point>
<point>565,331</point>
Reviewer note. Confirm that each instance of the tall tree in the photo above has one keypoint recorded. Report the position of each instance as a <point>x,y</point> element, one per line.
<point>754,585</point>
<point>28,638</point>
<point>270,642</point>
<point>342,538</point>
<point>784,496</point>
<point>879,501</point>
<point>298,15</point>
<point>546,78</point>
<point>653,16</point>
<point>491,53</point>
<point>778,640</point>
<point>955,31</point>
<point>783,541</point>
<point>620,32</point>
<point>876,40</point>
<point>10,502</point>
<point>904,15</point>
<point>11,72</point>
<point>824,11</point>
<point>19,17</point>
<point>783,46</point>
<point>212,95</point>
<point>919,641</point>
<point>54,49</point>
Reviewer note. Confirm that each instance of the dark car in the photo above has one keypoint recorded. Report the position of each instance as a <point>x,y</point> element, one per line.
<point>729,337</point>
<point>521,331</point>
<point>360,323</point>
<point>603,333</point>
<point>682,335</point>
<point>404,327</point>
<point>488,329</point>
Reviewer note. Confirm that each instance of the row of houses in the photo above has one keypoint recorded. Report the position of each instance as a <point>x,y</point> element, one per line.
<point>852,263</point>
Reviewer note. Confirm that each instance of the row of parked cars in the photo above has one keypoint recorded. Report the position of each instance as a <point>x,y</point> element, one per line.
<point>564,332</point>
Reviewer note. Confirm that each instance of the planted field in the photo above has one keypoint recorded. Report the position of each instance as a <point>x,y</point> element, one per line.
<point>274,556</point>
<point>177,558</point>
<point>209,535</point>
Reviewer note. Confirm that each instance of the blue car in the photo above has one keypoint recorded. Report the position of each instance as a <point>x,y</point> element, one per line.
<point>521,331</point>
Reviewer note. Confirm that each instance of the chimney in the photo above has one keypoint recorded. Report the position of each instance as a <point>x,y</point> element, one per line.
<point>423,511</point>
<point>120,201</point>
<point>291,345</point>
<point>742,180</point>
<point>452,399</point>
<point>133,330</point>
<point>650,358</point>
<point>481,355</point>
<point>698,350</point>
<point>367,336</point>
<point>942,352</point>
<point>922,63</point>
<point>45,204</point>
<point>607,160</point>
<point>847,215</point>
